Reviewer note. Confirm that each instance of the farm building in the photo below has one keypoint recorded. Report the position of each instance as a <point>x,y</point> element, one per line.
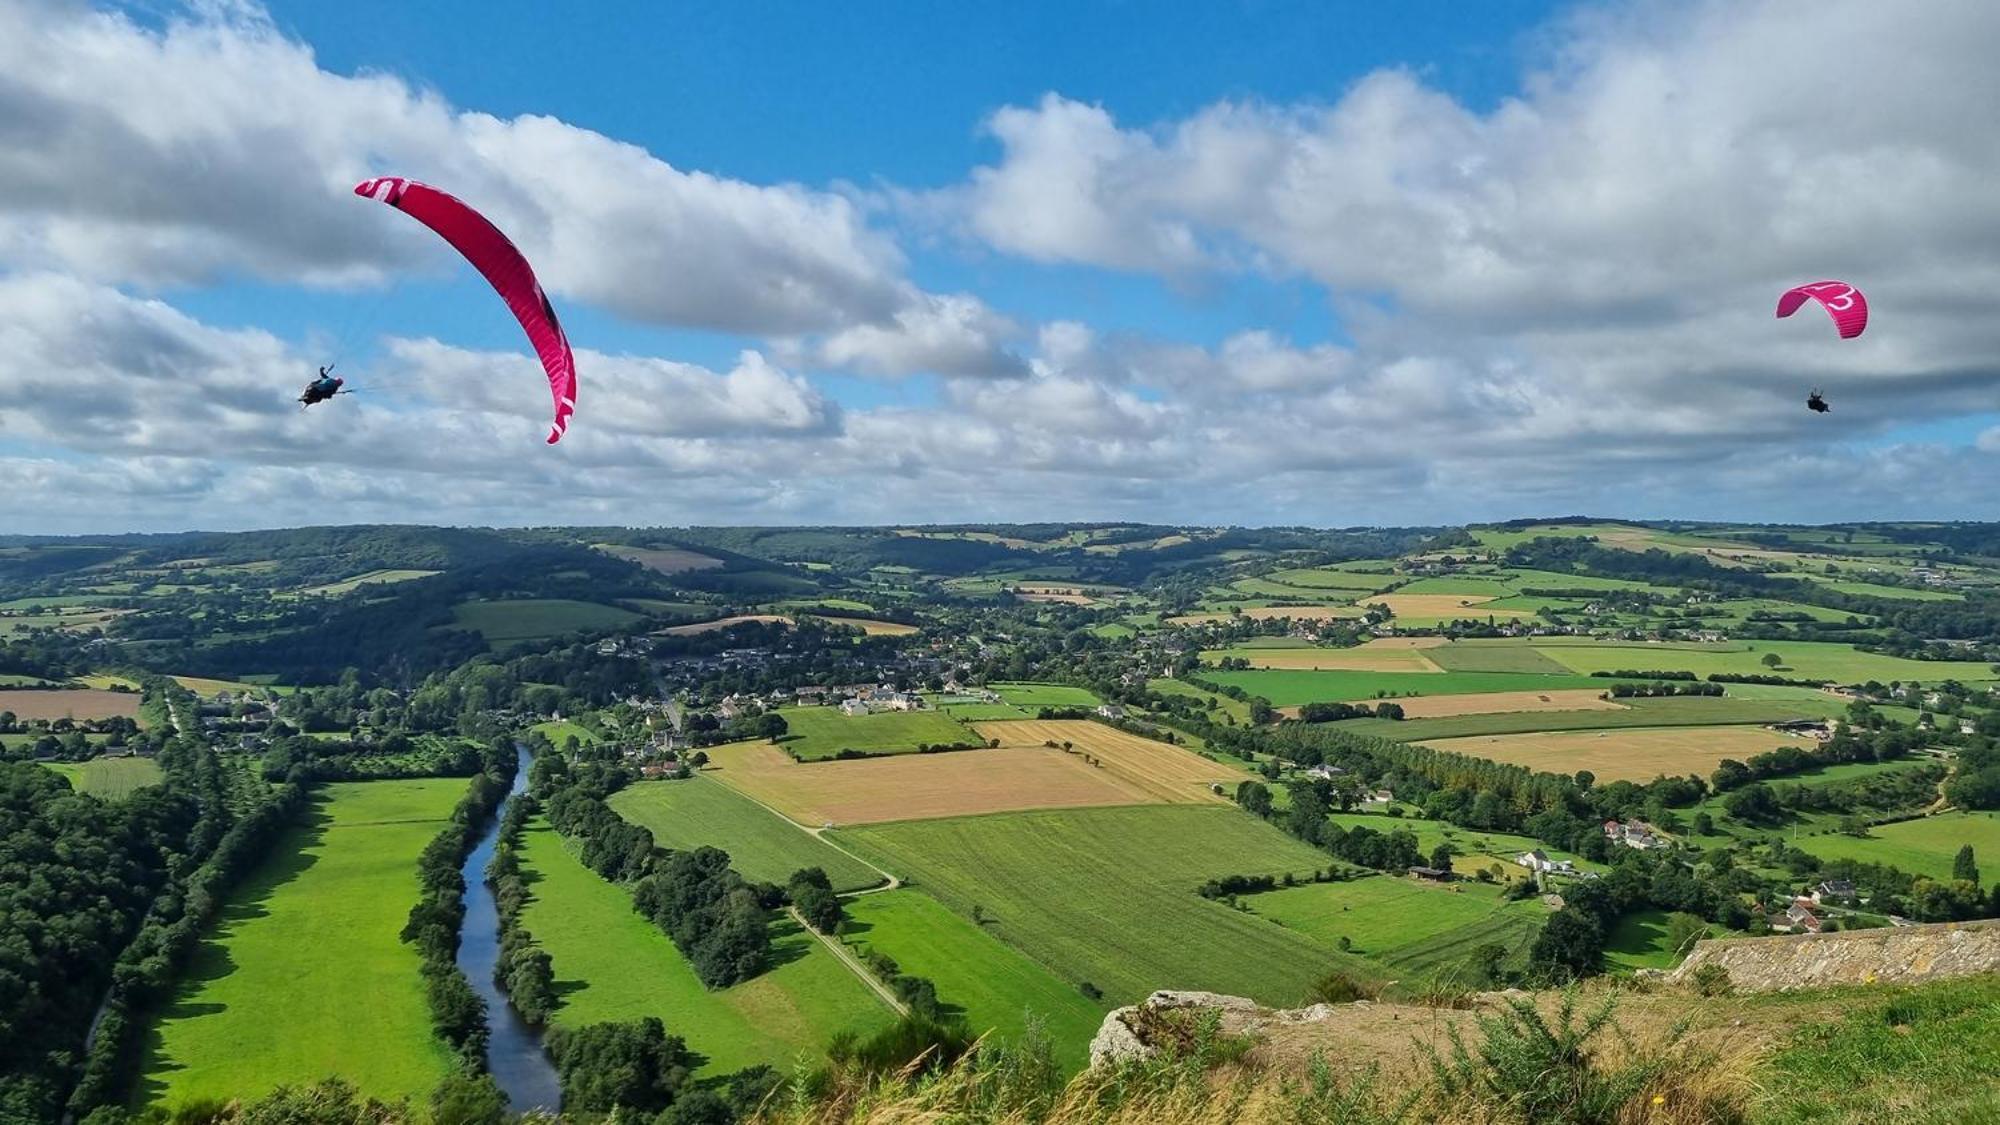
<point>1634,834</point>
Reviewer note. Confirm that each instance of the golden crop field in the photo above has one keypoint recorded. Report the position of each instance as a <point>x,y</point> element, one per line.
<point>724,623</point>
<point>1172,774</point>
<point>918,786</point>
<point>88,703</point>
<point>1500,702</point>
<point>1622,755</point>
<point>872,628</point>
<point>1046,596</point>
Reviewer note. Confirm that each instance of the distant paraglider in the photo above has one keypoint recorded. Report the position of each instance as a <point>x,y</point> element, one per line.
<point>503,266</point>
<point>1843,302</point>
<point>322,388</point>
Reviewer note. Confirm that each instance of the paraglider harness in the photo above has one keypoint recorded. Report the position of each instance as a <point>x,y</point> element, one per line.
<point>322,388</point>
<point>1816,403</point>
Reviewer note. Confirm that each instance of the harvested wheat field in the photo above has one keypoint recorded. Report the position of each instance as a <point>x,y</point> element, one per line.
<point>1046,596</point>
<point>85,704</point>
<point>1407,642</point>
<point>1170,773</point>
<point>724,623</point>
<point>921,786</point>
<point>1502,702</point>
<point>869,626</point>
<point>1443,605</point>
<point>1621,755</point>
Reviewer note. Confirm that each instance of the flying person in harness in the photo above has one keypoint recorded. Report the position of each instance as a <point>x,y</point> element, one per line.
<point>322,388</point>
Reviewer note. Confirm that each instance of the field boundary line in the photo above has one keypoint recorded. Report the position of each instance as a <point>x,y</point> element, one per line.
<point>880,990</point>
<point>890,882</point>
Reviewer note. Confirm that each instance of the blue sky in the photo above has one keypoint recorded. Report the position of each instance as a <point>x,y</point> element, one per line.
<point>1223,263</point>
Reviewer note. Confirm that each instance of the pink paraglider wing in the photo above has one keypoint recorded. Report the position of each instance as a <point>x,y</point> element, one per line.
<point>503,267</point>
<point>1843,302</point>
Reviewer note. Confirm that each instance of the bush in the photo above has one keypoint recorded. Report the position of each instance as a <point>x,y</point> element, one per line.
<point>1336,987</point>
<point>1711,980</point>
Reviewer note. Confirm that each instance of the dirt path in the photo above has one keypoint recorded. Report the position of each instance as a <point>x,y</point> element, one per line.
<point>856,967</point>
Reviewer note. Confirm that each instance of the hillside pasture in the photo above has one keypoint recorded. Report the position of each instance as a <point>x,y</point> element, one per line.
<point>371,578</point>
<point>70,703</point>
<point>612,964</point>
<point>1442,607</point>
<point>994,986</point>
<point>764,846</point>
<point>109,778</point>
<point>816,733</point>
<point>1168,773</point>
<point>919,786</point>
<point>1107,896</point>
<point>1224,705</point>
<point>662,560</point>
<point>1623,755</point>
<point>318,919</point>
<point>1924,846</point>
<point>515,620</point>
<point>1319,579</point>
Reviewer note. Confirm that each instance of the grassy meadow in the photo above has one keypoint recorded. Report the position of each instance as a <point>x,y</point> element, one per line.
<point>762,845</point>
<point>612,964</point>
<point>996,987</point>
<point>515,620</point>
<point>1925,846</point>
<point>110,778</point>
<point>1108,896</point>
<point>318,920</point>
<point>818,733</point>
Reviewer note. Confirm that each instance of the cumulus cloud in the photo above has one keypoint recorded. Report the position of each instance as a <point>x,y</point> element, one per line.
<point>1559,303</point>
<point>216,145</point>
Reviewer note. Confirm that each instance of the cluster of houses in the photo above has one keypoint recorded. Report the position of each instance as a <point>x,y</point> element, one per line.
<point>245,715</point>
<point>875,700</point>
<point>1634,834</point>
<point>1539,863</point>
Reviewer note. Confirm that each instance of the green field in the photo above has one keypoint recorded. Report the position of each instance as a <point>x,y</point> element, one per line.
<point>372,578</point>
<point>1259,588</point>
<point>1289,688</point>
<point>1224,705</point>
<point>1804,659</point>
<point>1925,846</point>
<point>1464,656</point>
<point>762,845</point>
<point>1033,696</point>
<point>533,619</point>
<point>1639,941</point>
<point>1108,896</point>
<point>984,712</point>
<point>612,964</point>
<point>1470,585</point>
<point>996,987</point>
<point>817,733</point>
<point>318,920</point>
<point>562,730</point>
<point>1386,915</point>
<point>1332,580</point>
<point>1691,711</point>
<point>109,778</point>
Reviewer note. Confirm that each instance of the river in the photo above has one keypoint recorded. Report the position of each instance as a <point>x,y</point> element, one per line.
<point>514,1051</point>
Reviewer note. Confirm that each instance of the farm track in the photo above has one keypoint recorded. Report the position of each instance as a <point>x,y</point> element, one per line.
<point>889,881</point>
<point>857,968</point>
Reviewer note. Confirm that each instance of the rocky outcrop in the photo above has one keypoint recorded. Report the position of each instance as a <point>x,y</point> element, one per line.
<point>1126,1031</point>
<point>1897,955</point>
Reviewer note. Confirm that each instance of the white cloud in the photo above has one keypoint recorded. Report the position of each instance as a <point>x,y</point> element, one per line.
<point>215,145</point>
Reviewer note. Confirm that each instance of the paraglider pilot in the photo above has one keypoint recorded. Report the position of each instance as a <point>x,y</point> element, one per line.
<point>322,388</point>
<point>1816,403</point>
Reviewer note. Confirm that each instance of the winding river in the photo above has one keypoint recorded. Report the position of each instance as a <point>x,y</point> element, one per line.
<point>514,1052</point>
